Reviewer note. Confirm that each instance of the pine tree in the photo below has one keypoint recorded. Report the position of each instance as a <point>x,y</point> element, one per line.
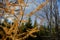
<point>35,23</point>
<point>22,28</point>
<point>29,24</point>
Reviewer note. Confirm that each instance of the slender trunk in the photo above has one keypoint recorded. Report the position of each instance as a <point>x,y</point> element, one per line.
<point>56,18</point>
<point>50,18</point>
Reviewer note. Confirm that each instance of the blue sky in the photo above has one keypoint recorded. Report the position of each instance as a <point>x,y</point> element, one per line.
<point>32,6</point>
<point>59,5</point>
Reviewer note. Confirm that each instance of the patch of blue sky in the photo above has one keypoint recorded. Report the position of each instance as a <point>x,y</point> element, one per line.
<point>0,0</point>
<point>12,1</point>
<point>31,7</point>
<point>39,1</point>
<point>58,6</point>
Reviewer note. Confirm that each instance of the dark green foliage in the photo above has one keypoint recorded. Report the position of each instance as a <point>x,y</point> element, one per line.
<point>23,27</point>
<point>35,23</point>
<point>29,24</point>
<point>3,24</point>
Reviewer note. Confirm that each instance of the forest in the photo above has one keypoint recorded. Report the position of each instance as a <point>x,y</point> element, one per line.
<point>29,20</point>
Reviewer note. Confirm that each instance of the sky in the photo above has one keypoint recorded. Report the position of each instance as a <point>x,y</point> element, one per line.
<point>32,6</point>
<point>40,1</point>
<point>59,5</point>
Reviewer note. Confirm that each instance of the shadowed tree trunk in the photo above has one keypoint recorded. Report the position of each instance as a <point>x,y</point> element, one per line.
<point>56,15</point>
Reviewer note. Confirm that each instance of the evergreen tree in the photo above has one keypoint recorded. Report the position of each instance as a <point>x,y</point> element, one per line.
<point>35,23</point>
<point>22,28</point>
<point>29,24</point>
